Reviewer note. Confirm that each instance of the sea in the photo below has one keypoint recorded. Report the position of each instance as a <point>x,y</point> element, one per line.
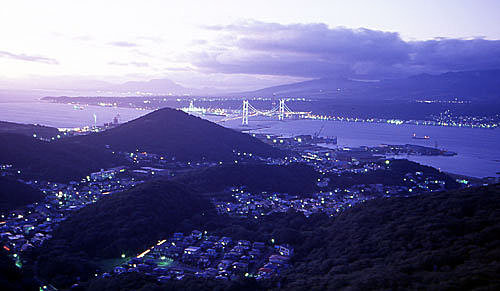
<point>478,150</point>
<point>64,115</point>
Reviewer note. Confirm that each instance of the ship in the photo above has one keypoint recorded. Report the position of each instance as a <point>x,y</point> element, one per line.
<point>447,153</point>
<point>414,136</point>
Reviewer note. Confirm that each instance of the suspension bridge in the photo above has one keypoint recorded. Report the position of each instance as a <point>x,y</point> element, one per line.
<point>281,111</point>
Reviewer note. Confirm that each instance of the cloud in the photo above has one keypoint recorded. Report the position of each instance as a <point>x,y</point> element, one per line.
<point>316,50</point>
<point>83,38</point>
<point>28,58</point>
<point>123,44</point>
<point>456,54</point>
<point>152,39</point>
<point>136,64</point>
<point>178,69</point>
<point>199,42</point>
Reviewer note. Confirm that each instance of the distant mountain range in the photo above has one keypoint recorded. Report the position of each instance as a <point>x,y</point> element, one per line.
<point>77,87</point>
<point>465,84</point>
<point>462,85</point>
<point>159,87</point>
<point>175,133</point>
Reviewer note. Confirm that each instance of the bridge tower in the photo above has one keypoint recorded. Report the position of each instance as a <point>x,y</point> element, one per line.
<point>281,111</point>
<point>244,120</point>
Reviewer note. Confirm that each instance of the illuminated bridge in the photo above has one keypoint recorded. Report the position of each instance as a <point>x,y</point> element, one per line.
<point>281,111</point>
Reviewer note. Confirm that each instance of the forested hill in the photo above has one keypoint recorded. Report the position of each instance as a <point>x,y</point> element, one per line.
<point>125,223</point>
<point>132,219</point>
<point>292,179</point>
<point>392,174</point>
<point>13,278</point>
<point>53,161</point>
<point>177,134</point>
<point>436,241</point>
<point>29,129</point>
<point>14,194</point>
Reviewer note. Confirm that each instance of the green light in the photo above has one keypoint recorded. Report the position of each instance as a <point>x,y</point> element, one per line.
<point>123,256</point>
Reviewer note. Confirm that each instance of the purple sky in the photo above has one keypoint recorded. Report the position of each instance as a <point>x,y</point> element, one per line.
<point>236,45</point>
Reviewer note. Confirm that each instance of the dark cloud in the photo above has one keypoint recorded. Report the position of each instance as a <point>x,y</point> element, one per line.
<point>456,54</point>
<point>28,58</point>
<point>123,44</point>
<point>315,50</point>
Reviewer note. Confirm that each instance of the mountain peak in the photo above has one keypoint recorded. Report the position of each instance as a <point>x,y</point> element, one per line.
<point>174,133</point>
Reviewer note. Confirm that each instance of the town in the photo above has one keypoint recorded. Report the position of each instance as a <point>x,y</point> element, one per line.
<point>249,205</point>
<point>202,255</point>
<point>27,228</point>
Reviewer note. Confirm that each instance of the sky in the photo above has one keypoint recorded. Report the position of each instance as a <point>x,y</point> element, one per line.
<point>240,45</point>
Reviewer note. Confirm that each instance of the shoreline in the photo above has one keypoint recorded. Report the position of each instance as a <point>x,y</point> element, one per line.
<point>477,150</point>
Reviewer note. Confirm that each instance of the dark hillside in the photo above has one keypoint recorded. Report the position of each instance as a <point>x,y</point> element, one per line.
<point>177,134</point>
<point>292,179</point>
<point>130,220</point>
<point>436,241</point>
<point>126,222</point>
<point>53,161</point>
<point>392,174</point>
<point>28,129</point>
<point>14,194</point>
<point>13,278</point>
<point>439,241</point>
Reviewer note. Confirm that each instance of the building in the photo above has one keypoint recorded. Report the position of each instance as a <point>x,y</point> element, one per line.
<point>285,250</point>
<point>107,174</point>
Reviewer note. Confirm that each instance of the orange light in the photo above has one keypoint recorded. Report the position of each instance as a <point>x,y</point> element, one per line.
<point>6,248</point>
<point>143,254</point>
